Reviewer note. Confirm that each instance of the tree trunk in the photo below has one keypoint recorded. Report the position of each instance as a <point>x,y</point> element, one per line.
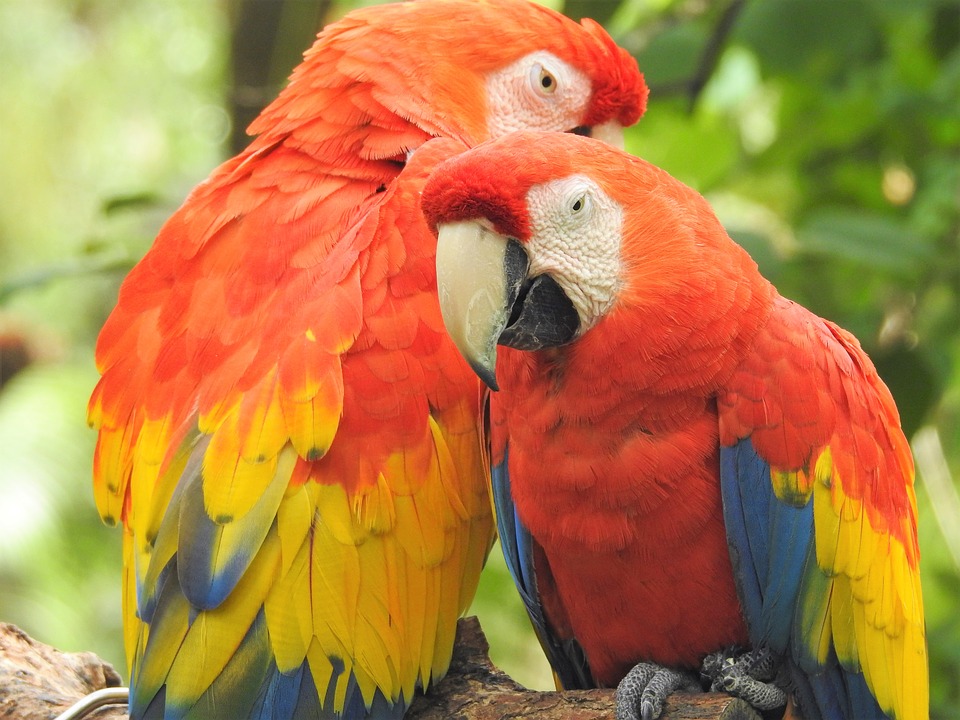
<point>267,40</point>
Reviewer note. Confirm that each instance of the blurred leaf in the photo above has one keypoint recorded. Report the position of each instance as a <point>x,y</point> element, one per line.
<point>802,36</point>
<point>132,201</point>
<point>513,644</point>
<point>761,250</point>
<point>110,262</point>
<point>672,56</point>
<point>867,239</point>
<point>65,561</point>
<point>915,386</point>
<point>699,150</point>
<point>945,33</point>
<point>599,10</point>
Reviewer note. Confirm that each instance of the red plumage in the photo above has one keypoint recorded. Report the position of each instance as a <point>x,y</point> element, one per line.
<point>702,463</point>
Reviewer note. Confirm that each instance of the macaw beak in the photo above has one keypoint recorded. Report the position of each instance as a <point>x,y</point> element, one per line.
<point>488,298</point>
<point>473,292</point>
<point>610,132</point>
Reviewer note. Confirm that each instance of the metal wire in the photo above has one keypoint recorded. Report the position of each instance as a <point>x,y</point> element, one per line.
<point>95,700</point>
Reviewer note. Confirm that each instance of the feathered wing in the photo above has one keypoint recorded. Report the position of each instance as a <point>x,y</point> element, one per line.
<point>821,517</point>
<point>529,568</point>
<point>286,432</point>
<point>290,446</point>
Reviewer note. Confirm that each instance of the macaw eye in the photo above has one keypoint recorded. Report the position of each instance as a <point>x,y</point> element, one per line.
<point>543,80</point>
<point>579,206</point>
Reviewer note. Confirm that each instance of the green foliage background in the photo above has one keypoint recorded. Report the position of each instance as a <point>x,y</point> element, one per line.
<point>826,134</point>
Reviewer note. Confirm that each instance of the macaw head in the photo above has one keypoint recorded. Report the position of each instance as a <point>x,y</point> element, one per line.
<point>543,236</point>
<point>463,69</point>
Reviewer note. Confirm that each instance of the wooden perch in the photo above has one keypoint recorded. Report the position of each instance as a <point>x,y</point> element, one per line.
<point>475,690</point>
<point>38,682</point>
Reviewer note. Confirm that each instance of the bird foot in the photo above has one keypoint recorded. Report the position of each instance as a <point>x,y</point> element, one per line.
<point>746,675</point>
<point>641,694</point>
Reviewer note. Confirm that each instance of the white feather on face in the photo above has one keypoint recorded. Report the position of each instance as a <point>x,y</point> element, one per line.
<point>576,236</point>
<point>539,91</point>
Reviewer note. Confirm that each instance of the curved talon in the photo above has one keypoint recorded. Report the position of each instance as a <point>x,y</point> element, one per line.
<point>642,693</point>
<point>743,675</point>
<point>714,664</point>
<point>760,695</point>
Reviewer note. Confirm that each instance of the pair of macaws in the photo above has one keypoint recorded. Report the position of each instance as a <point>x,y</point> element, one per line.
<point>682,461</point>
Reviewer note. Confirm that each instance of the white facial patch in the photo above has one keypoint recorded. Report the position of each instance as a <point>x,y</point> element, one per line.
<point>576,239</point>
<point>537,92</point>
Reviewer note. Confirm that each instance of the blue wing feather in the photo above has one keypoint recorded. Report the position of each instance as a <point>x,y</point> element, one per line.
<point>834,693</point>
<point>213,556</point>
<point>772,550</point>
<point>565,655</point>
<point>155,709</point>
<point>771,540</point>
<point>735,483</point>
<point>790,541</point>
<point>515,539</point>
<point>862,702</point>
<point>282,693</point>
<point>278,695</point>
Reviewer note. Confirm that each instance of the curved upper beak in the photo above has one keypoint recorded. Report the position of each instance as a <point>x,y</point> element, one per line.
<point>487,297</point>
<point>477,285</point>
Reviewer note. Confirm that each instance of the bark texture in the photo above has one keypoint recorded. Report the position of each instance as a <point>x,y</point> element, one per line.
<point>38,682</point>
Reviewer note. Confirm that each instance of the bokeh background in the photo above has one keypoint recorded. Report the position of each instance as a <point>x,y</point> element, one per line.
<point>826,133</point>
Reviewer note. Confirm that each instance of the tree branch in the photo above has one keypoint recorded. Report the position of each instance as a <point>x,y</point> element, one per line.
<point>267,39</point>
<point>475,690</point>
<point>38,682</point>
<point>693,86</point>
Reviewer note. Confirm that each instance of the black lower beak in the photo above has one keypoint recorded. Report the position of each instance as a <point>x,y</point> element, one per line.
<point>542,316</point>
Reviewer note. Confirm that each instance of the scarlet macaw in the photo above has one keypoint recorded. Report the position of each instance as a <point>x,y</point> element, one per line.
<point>286,433</point>
<point>683,460</point>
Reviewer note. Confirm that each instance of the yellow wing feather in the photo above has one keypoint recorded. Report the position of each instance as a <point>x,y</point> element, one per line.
<point>875,608</point>
<point>366,576</point>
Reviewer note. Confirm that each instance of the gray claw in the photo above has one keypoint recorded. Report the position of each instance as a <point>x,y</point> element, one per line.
<point>746,675</point>
<point>641,694</point>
